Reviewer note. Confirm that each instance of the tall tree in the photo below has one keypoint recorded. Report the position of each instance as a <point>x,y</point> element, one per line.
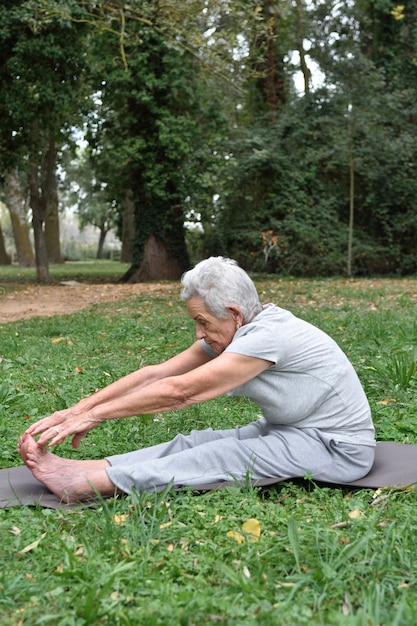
<point>40,69</point>
<point>155,121</point>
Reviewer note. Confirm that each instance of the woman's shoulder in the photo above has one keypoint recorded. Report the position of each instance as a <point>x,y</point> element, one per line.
<point>272,314</point>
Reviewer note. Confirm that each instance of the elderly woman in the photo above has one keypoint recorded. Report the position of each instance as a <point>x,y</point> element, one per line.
<point>316,417</point>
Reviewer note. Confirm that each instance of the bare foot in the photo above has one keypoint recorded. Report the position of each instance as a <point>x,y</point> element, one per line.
<point>70,480</point>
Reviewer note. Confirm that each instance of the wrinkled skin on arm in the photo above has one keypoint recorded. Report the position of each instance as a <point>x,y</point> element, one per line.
<point>187,378</point>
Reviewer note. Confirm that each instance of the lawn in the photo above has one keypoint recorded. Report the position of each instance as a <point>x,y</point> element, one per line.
<point>94,270</point>
<point>299,553</point>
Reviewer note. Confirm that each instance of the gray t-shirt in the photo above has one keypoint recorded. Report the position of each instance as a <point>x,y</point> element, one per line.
<point>310,383</point>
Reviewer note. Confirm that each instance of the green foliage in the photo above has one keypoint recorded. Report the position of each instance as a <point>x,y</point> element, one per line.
<point>40,69</point>
<point>291,177</point>
<point>190,110</point>
<point>154,140</point>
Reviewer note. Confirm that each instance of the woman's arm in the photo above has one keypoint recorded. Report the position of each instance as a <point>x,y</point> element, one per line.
<point>187,379</point>
<point>85,415</point>
<point>131,383</point>
<point>209,380</point>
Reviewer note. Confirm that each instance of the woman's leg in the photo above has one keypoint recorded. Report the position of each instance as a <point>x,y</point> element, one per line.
<point>278,452</point>
<point>215,456</point>
<point>74,480</point>
<point>184,442</point>
<point>70,480</point>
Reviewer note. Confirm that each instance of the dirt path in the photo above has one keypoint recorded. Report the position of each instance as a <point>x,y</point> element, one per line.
<point>40,300</point>
<point>37,300</point>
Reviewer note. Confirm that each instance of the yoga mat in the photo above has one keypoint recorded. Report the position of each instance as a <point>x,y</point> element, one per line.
<point>395,466</point>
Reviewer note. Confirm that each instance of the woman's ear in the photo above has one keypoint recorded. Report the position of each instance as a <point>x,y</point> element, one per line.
<point>237,315</point>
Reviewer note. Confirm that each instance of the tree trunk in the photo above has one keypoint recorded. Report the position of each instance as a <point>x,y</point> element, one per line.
<point>38,220</point>
<point>50,193</point>
<point>274,86</point>
<point>157,264</point>
<point>300,45</point>
<point>351,211</point>
<point>128,228</point>
<point>5,258</point>
<point>101,240</point>
<point>16,200</point>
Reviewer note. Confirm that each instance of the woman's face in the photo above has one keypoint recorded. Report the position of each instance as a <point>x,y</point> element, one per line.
<point>217,333</point>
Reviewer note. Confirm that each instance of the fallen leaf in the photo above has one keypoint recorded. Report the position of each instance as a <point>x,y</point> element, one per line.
<point>239,538</point>
<point>253,529</point>
<point>340,525</point>
<point>385,522</point>
<point>380,499</point>
<point>165,525</point>
<point>57,340</point>
<point>246,572</point>
<point>345,605</point>
<point>33,545</point>
<point>120,520</point>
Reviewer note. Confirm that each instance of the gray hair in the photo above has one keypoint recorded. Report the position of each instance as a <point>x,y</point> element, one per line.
<point>221,283</point>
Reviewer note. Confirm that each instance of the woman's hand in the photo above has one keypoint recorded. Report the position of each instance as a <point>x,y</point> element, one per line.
<point>62,424</point>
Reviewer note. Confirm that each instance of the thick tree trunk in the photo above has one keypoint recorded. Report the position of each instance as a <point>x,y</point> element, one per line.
<point>128,228</point>
<point>157,264</point>
<point>50,193</point>
<point>5,258</point>
<point>16,200</point>
<point>274,83</point>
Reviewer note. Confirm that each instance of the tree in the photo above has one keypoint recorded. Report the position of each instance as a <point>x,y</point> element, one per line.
<point>316,182</point>
<point>16,196</point>
<point>154,119</point>
<point>360,51</point>
<point>317,185</point>
<point>40,67</point>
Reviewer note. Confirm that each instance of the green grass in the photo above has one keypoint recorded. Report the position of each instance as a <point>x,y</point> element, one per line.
<point>93,271</point>
<point>167,559</point>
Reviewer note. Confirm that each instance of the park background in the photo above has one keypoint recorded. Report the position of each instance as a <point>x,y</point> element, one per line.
<point>278,132</point>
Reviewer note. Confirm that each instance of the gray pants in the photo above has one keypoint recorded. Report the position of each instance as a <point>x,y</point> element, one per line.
<point>258,450</point>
